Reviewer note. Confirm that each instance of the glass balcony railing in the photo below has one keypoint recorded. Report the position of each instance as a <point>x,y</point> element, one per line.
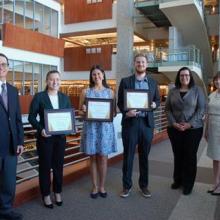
<point>175,57</point>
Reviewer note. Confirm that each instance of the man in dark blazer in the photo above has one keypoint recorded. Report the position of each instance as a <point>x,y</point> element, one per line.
<point>11,142</point>
<point>137,126</point>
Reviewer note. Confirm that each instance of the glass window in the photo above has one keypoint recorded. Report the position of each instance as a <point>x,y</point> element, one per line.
<point>1,12</point>
<point>28,79</point>
<point>46,69</point>
<point>8,11</point>
<point>19,13</point>
<point>54,23</point>
<point>10,75</point>
<point>37,80</point>
<point>18,72</point>
<point>47,20</point>
<point>38,17</point>
<point>1,19</point>
<point>53,67</point>
<point>29,15</point>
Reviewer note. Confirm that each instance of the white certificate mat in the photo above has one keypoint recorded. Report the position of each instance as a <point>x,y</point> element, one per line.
<point>99,109</point>
<point>59,121</point>
<point>137,99</point>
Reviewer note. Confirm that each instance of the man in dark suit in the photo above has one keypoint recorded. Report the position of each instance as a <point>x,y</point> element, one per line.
<point>137,126</point>
<point>11,142</point>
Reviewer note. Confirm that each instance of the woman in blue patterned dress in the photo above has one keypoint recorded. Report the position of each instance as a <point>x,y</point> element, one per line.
<point>98,138</point>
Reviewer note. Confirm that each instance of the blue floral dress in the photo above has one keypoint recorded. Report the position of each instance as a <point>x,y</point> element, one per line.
<point>98,137</point>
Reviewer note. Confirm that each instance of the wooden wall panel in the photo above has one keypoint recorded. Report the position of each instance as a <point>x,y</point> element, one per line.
<point>79,11</point>
<point>76,58</point>
<point>20,38</point>
<point>25,101</point>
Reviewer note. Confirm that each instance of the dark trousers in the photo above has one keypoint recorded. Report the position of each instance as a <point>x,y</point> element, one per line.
<point>133,134</point>
<point>185,146</point>
<point>7,183</point>
<point>51,156</point>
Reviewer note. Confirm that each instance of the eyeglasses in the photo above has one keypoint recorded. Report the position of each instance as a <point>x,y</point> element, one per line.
<point>4,65</point>
<point>184,75</point>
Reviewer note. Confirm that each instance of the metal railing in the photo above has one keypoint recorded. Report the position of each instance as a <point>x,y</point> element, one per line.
<point>172,57</point>
<point>28,162</point>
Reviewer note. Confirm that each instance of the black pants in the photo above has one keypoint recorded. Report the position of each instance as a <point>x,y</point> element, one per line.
<point>185,146</point>
<point>136,133</point>
<point>51,156</point>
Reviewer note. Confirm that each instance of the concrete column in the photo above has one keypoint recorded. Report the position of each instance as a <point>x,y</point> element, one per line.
<point>125,32</point>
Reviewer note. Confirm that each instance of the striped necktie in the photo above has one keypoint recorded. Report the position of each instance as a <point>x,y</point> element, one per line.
<point>4,96</point>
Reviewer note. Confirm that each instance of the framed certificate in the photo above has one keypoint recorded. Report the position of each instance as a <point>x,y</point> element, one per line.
<point>59,121</point>
<point>136,99</point>
<point>99,109</point>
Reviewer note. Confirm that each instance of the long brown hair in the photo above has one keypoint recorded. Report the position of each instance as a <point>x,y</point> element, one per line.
<point>216,76</point>
<point>91,82</point>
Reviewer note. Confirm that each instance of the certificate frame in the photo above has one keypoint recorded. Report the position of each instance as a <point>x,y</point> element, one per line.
<point>89,117</point>
<point>128,106</point>
<point>68,113</point>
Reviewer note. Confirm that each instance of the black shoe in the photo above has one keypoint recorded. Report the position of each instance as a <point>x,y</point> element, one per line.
<point>11,216</point>
<point>49,206</point>
<point>187,191</point>
<point>215,193</point>
<point>94,195</point>
<point>175,185</point>
<point>125,193</point>
<point>145,192</point>
<point>59,203</point>
<point>103,195</point>
<point>58,199</point>
<point>210,191</point>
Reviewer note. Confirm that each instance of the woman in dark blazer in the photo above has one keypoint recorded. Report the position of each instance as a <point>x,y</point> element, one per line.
<point>50,148</point>
<point>185,107</point>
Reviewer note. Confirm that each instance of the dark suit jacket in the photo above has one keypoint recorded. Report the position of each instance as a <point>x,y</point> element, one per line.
<point>40,102</point>
<point>129,83</point>
<point>11,128</point>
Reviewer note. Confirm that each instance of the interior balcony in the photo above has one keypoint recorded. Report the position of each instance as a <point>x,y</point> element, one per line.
<point>167,62</point>
<point>191,25</point>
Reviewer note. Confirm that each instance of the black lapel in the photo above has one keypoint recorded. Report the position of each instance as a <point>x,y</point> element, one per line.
<point>132,81</point>
<point>60,100</point>
<point>47,100</point>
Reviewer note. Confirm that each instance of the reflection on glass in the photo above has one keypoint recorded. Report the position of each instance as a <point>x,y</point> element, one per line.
<point>38,17</point>
<point>28,78</point>
<point>46,69</point>
<point>47,20</point>
<point>29,15</point>
<point>19,13</point>
<point>8,12</point>
<point>54,23</point>
<point>10,75</point>
<point>37,85</point>
<point>53,67</point>
<point>18,71</point>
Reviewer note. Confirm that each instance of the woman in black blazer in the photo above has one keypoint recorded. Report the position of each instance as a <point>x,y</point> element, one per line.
<point>50,148</point>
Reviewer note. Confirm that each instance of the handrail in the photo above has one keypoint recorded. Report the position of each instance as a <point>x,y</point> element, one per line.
<point>164,56</point>
<point>28,162</point>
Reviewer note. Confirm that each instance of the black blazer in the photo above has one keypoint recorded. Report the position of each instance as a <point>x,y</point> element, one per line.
<point>40,102</point>
<point>11,123</point>
<point>129,83</point>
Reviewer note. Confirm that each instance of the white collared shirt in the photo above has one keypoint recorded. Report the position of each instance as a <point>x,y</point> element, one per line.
<point>54,101</point>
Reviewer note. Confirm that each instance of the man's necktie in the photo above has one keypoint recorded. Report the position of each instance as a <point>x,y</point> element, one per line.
<point>4,96</point>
